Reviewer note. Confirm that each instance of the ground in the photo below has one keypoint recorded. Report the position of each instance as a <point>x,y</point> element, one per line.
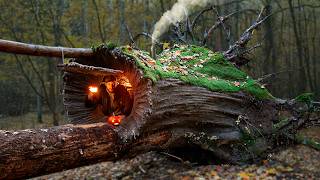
<point>292,162</point>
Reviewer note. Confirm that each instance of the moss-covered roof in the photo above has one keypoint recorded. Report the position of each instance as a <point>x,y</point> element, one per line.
<point>197,66</point>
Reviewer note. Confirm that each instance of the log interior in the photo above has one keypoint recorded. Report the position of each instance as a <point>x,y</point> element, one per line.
<point>76,85</point>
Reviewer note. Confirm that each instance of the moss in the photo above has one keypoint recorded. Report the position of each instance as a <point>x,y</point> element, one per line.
<point>305,98</point>
<point>108,45</point>
<point>197,66</point>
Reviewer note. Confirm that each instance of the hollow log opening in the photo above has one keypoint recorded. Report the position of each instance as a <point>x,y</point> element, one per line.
<point>105,87</point>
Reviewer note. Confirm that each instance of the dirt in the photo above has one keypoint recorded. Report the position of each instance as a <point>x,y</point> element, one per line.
<point>295,162</point>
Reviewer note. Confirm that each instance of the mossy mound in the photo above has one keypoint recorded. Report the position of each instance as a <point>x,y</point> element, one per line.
<point>197,66</point>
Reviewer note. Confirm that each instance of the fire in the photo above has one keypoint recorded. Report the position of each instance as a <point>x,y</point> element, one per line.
<point>93,89</point>
<point>115,120</point>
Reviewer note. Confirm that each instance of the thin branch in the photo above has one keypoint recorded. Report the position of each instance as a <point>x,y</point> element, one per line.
<point>39,50</point>
<point>99,21</point>
<point>145,34</point>
<point>129,33</point>
<point>235,52</point>
<point>85,69</point>
<point>40,79</point>
<point>220,21</point>
<point>195,20</point>
<point>272,75</point>
<point>23,72</point>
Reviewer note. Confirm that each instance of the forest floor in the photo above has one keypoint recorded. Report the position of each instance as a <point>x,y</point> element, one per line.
<point>27,121</point>
<point>292,162</point>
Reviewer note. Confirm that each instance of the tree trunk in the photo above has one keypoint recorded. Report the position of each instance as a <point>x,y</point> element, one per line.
<point>167,113</point>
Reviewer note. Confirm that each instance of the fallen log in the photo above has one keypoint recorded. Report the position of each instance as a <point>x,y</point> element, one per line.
<point>32,152</point>
<point>179,100</point>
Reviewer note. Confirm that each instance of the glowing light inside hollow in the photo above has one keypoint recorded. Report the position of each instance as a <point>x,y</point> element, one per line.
<point>93,89</point>
<point>115,120</point>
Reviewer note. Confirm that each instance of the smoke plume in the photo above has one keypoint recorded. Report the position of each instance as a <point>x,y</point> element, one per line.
<point>179,12</point>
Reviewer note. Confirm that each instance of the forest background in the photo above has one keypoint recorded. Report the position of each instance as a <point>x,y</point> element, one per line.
<point>30,87</point>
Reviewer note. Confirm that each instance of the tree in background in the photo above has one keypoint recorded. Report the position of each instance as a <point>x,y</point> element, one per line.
<point>289,41</point>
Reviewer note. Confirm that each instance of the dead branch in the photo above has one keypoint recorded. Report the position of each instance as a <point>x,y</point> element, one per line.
<point>129,33</point>
<point>85,69</point>
<point>39,50</point>
<point>195,20</point>
<point>235,52</point>
<point>220,22</point>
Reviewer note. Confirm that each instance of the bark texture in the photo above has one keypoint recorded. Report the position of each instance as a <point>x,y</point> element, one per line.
<point>29,153</point>
<point>39,50</point>
<point>166,114</point>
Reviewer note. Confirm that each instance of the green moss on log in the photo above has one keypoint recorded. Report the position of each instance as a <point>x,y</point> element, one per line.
<point>197,66</point>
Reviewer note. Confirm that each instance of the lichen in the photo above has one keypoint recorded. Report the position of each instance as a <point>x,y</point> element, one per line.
<point>197,66</point>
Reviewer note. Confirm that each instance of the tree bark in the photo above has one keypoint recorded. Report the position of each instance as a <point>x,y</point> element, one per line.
<point>39,50</point>
<point>169,113</point>
<point>29,153</point>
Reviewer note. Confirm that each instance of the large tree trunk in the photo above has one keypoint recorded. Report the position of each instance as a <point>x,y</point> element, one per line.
<point>167,113</point>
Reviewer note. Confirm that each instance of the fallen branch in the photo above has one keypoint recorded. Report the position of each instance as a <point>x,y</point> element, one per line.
<point>74,67</point>
<point>39,50</point>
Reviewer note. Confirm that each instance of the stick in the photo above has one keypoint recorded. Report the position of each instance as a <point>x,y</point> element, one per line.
<point>85,69</point>
<point>40,50</point>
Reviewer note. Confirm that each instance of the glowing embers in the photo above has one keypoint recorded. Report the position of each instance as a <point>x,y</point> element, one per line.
<point>115,120</point>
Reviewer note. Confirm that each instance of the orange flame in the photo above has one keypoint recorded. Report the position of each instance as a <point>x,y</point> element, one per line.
<point>115,120</point>
<point>93,89</point>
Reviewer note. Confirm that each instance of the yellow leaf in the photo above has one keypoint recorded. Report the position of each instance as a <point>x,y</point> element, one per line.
<point>245,175</point>
<point>166,46</point>
<point>271,171</point>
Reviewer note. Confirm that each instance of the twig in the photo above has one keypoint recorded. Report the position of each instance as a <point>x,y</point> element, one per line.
<point>195,20</point>
<point>27,77</point>
<point>235,52</point>
<point>40,79</point>
<point>271,75</point>
<point>220,21</point>
<point>142,170</point>
<point>129,33</point>
<point>175,157</point>
<point>74,67</point>
<point>135,38</point>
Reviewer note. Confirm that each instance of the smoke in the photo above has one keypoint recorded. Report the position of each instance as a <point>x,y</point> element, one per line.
<point>179,12</point>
